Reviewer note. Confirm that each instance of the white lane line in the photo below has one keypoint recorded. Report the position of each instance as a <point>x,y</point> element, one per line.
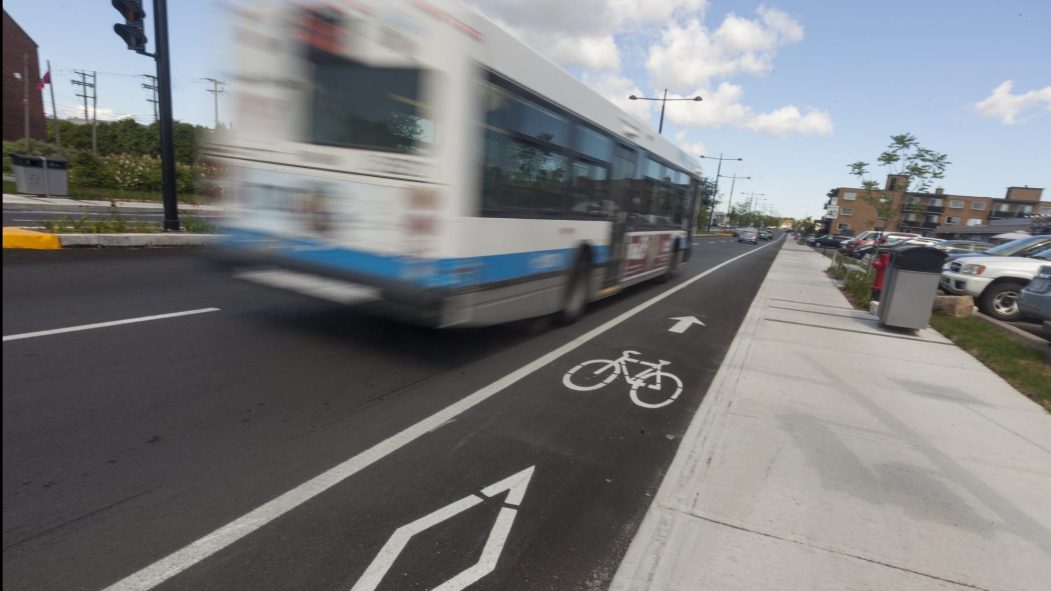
<point>182,559</point>
<point>43,333</point>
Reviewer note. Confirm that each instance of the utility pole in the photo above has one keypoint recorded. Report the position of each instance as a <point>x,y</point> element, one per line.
<point>94,115</point>
<point>751,202</point>
<point>54,111</point>
<point>152,86</point>
<point>216,91</point>
<point>718,171</point>
<point>729,204</point>
<point>25,95</point>
<point>83,82</point>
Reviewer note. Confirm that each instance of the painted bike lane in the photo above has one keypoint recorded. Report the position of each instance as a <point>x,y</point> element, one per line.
<point>539,486</point>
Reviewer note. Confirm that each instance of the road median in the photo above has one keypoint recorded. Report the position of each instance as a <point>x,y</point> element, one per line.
<point>22,238</point>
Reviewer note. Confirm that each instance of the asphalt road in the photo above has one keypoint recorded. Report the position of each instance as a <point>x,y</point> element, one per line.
<point>281,442</point>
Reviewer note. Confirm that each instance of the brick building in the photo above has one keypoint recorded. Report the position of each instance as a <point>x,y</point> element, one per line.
<point>19,49</point>
<point>852,211</point>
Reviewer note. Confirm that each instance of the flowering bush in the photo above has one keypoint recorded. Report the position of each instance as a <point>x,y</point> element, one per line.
<point>135,173</point>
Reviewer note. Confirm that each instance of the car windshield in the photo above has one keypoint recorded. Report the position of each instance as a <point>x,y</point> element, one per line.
<point>1016,246</point>
<point>1043,254</point>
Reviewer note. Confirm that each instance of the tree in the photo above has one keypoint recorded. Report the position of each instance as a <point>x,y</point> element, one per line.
<point>905,156</point>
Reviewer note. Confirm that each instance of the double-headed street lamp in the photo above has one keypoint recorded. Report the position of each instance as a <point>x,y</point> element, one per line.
<point>663,100</point>
<point>718,171</point>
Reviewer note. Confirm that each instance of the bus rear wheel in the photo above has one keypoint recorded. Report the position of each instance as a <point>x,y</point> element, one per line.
<point>672,265</point>
<point>575,299</point>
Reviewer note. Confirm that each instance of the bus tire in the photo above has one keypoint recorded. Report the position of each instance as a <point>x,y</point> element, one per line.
<point>672,265</point>
<point>575,298</point>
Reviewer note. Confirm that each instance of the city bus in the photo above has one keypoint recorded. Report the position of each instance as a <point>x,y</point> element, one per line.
<point>415,157</point>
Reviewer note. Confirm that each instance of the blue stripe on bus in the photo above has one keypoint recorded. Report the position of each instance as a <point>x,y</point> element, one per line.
<point>432,273</point>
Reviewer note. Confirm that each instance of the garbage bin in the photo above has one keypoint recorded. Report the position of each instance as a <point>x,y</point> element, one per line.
<point>40,175</point>
<point>910,286</point>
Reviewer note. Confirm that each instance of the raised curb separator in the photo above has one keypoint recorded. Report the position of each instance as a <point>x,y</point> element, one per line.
<point>29,239</point>
<point>137,240</point>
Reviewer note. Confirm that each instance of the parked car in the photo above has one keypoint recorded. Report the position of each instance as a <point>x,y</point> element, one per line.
<point>924,241</point>
<point>955,246</point>
<point>765,234</point>
<point>1015,248</point>
<point>995,282</point>
<point>748,235</point>
<point>810,238</point>
<point>1035,299</point>
<point>830,241</point>
<point>867,241</point>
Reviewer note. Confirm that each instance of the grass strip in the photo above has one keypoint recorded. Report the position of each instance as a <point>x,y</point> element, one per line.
<point>1020,366</point>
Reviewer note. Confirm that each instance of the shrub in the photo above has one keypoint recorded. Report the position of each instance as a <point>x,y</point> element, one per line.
<point>88,170</point>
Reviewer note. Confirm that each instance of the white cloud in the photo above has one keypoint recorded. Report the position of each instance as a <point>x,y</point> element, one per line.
<point>788,120</point>
<point>1007,107</point>
<point>596,53</point>
<point>691,55</point>
<point>679,52</point>
<point>691,148</point>
<point>617,89</point>
<point>654,11</point>
<point>723,106</point>
<point>76,113</point>
<point>581,32</point>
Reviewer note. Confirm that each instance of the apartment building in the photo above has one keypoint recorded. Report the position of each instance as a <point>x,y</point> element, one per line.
<point>894,208</point>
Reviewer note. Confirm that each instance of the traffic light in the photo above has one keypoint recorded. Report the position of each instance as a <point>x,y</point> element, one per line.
<point>132,31</point>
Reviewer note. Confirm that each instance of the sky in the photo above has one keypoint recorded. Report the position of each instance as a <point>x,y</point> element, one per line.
<point>796,88</point>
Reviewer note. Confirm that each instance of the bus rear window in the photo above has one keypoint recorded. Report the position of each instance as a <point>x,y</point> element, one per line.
<point>359,106</point>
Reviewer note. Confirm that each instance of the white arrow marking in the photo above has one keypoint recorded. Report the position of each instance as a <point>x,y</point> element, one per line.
<point>683,323</point>
<point>515,485</point>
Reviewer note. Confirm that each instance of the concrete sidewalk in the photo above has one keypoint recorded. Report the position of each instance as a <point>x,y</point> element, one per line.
<point>64,204</point>
<point>830,453</point>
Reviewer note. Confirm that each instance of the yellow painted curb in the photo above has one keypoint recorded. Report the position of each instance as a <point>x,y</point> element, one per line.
<point>22,238</point>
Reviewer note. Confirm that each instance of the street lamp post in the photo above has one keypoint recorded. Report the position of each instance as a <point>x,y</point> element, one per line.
<point>729,204</point>
<point>663,100</point>
<point>718,171</point>
<point>752,202</point>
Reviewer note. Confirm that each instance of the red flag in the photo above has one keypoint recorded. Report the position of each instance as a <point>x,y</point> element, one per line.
<point>45,80</point>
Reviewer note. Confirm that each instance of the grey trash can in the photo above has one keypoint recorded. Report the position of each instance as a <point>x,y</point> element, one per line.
<point>910,286</point>
<point>40,175</point>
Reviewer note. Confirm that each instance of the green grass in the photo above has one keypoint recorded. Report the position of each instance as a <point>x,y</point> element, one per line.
<point>79,192</point>
<point>1022,367</point>
<point>117,224</point>
<point>9,187</point>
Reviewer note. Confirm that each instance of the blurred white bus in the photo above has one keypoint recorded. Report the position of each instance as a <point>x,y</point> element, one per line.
<point>417,155</point>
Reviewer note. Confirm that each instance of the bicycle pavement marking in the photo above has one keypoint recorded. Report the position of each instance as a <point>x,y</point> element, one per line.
<point>226,535</point>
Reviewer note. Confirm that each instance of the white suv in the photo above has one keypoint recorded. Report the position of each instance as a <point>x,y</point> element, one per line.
<point>994,281</point>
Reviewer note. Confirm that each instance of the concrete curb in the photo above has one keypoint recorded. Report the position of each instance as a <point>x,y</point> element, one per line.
<point>30,239</point>
<point>1029,340</point>
<point>137,240</point>
<point>22,238</point>
<point>77,208</point>
<point>13,202</point>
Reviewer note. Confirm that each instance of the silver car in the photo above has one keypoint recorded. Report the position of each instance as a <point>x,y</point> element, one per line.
<point>748,235</point>
<point>1035,299</point>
